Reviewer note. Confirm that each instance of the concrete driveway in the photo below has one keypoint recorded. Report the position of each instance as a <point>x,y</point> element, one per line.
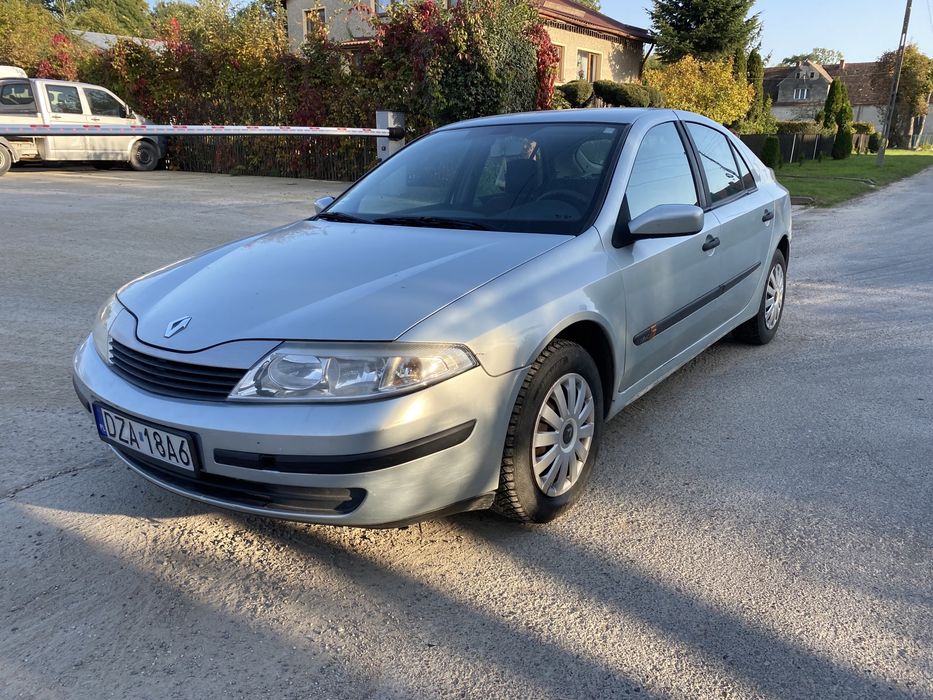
<point>758,526</point>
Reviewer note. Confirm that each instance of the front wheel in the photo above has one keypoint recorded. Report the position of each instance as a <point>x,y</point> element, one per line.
<point>553,435</point>
<point>144,156</point>
<point>761,329</point>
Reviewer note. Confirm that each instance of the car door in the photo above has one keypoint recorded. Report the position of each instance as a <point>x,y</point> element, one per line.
<point>745,215</point>
<point>107,110</point>
<point>65,107</point>
<point>665,279</point>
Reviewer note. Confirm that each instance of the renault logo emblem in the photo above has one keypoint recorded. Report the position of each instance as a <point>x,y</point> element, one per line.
<point>177,326</point>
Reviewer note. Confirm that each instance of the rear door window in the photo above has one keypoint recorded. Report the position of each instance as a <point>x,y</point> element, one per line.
<point>748,180</point>
<point>722,173</point>
<point>63,99</point>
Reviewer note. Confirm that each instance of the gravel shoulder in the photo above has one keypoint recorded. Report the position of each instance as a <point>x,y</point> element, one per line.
<point>759,525</point>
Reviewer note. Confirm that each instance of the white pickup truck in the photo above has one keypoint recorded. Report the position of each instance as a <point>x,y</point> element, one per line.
<point>40,101</point>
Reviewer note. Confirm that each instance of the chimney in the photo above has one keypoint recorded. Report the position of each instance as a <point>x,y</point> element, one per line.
<point>842,64</point>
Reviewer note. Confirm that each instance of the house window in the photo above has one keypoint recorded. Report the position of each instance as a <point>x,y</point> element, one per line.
<point>801,93</point>
<point>314,19</point>
<point>587,66</point>
<point>559,69</point>
<point>812,75</point>
<point>380,7</point>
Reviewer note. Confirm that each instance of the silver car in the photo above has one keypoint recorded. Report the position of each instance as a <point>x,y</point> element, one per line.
<point>452,332</point>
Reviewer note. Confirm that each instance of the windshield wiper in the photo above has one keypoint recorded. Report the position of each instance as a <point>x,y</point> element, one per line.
<point>431,222</point>
<point>343,218</point>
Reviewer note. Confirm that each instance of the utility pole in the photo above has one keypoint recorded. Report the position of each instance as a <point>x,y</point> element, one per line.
<point>888,123</point>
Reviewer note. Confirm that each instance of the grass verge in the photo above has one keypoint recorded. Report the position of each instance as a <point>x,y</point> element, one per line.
<point>833,181</point>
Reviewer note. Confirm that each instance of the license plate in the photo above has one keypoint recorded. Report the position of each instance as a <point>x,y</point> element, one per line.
<point>155,442</point>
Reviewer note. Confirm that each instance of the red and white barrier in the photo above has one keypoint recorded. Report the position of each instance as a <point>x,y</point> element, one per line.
<point>394,133</point>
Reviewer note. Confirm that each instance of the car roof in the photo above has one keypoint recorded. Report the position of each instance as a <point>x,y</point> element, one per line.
<point>601,115</point>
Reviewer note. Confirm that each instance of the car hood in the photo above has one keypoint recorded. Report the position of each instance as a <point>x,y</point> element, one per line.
<point>316,280</point>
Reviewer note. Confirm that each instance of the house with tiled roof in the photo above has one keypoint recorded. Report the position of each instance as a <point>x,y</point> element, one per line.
<point>591,45</point>
<point>799,92</point>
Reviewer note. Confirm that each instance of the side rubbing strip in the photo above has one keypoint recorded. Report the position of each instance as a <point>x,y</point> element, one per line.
<point>692,307</point>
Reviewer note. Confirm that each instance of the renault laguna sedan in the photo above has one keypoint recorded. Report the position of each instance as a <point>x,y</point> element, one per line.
<point>453,331</point>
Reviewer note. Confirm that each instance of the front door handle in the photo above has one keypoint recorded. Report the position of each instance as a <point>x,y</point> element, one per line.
<point>768,215</point>
<point>710,243</point>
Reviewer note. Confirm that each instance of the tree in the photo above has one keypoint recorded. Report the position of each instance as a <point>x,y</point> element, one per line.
<point>123,17</point>
<point>706,87</point>
<point>592,4</point>
<point>26,28</point>
<point>756,78</point>
<point>913,92</point>
<point>837,112</point>
<point>822,56</point>
<point>166,10</point>
<point>704,29</point>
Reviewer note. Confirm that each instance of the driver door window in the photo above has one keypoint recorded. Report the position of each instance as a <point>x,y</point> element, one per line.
<point>661,173</point>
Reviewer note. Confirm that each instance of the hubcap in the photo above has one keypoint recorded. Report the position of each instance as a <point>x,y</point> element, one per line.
<point>563,435</point>
<point>774,297</point>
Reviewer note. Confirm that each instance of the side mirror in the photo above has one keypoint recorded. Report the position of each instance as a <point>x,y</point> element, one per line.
<point>662,221</point>
<point>322,204</point>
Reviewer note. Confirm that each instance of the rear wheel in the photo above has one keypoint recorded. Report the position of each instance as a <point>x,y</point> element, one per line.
<point>761,329</point>
<point>144,156</point>
<point>6,160</point>
<point>553,435</point>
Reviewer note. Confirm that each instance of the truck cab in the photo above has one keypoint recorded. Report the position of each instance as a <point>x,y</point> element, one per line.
<point>45,101</point>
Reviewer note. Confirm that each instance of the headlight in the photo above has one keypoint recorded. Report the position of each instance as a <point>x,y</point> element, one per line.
<point>332,372</point>
<point>105,318</point>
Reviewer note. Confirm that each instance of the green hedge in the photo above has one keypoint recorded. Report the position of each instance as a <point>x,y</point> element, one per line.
<point>842,146</point>
<point>874,142</point>
<point>621,94</point>
<point>805,127</point>
<point>577,92</point>
<point>863,128</point>
<point>771,153</point>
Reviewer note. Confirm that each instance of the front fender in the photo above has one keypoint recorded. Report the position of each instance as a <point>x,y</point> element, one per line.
<point>510,320</point>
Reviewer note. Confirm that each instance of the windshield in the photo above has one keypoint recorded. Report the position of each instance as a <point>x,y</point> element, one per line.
<point>535,178</point>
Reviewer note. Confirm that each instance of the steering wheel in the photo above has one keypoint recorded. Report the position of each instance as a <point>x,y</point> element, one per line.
<point>568,196</point>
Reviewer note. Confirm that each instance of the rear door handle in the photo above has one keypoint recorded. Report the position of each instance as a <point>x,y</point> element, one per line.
<point>768,215</point>
<point>710,243</point>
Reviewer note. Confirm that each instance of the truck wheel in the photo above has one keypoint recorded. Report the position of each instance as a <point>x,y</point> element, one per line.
<point>6,160</point>
<point>144,156</point>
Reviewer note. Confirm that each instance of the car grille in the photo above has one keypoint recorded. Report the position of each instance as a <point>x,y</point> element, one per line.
<point>170,378</point>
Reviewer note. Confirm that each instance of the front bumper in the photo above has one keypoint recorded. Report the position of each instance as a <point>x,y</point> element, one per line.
<point>373,463</point>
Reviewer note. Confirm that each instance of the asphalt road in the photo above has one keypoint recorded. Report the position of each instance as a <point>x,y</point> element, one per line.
<point>758,526</point>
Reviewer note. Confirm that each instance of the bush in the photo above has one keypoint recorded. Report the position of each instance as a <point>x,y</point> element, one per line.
<point>577,92</point>
<point>558,101</point>
<point>863,128</point>
<point>874,142</point>
<point>621,94</point>
<point>804,127</point>
<point>655,96</point>
<point>842,146</point>
<point>706,87</point>
<point>771,153</point>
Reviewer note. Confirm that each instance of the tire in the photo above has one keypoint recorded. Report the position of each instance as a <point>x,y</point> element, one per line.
<point>144,156</point>
<point>521,495</point>
<point>761,329</point>
<point>6,160</point>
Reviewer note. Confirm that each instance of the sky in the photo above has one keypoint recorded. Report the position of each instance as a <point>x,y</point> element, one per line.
<point>861,29</point>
